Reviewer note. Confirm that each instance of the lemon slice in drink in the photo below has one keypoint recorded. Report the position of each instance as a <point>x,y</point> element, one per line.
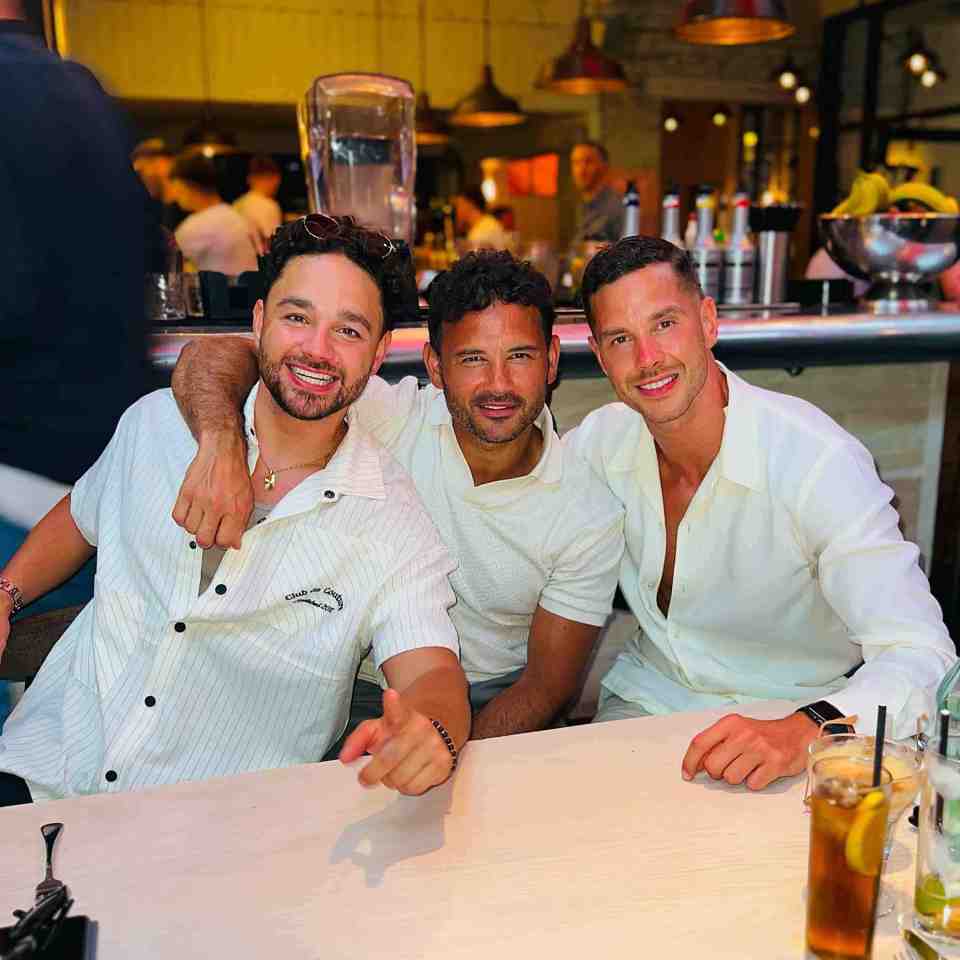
<point>864,846</point>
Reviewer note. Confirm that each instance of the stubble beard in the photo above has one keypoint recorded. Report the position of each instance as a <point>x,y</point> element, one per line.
<point>527,414</point>
<point>302,405</point>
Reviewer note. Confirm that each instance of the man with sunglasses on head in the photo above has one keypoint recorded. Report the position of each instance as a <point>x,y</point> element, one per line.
<point>538,537</point>
<point>192,663</point>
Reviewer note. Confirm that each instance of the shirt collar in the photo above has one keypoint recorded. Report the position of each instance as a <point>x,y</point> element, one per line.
<point>549,468</point>
<point>354,470</point>
<point>739,459</point>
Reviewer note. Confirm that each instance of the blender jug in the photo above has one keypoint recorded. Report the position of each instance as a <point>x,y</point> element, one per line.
<point>359,149</point>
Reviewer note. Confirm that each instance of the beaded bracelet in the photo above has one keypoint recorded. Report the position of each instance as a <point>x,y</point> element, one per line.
<point>13,592</point>
<point>448,740</point>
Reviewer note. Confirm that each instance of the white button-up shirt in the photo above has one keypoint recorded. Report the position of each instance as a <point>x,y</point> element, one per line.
<point>154,684</point>
<point>790,569</point>
<point>553,537</point>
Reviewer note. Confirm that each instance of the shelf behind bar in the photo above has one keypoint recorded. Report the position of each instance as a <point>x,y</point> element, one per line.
<point>750,341</point>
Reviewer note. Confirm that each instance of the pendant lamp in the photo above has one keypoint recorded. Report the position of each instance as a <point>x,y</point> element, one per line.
<point>205,137</point>
<point>583,68</point>
<point>486,105</point>
<point>731,22</point>
<point>431,131</point>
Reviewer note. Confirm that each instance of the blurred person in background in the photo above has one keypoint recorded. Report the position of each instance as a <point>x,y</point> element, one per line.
<point>214,236</point>
<point>259,205</point>
<point>482,230</point>
<point>600,213</point>
<point>72,328</point>
<point>153,161</point>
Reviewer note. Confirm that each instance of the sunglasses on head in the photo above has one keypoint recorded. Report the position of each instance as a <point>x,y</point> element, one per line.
<point>322,227</point>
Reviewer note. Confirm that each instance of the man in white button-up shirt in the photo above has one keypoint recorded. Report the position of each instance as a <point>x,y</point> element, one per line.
<point>763,558</point>
<point>537,534</point>
<point>162,679</point>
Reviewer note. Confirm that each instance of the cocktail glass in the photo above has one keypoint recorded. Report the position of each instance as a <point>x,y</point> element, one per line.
<point>848,825</point>
<point>936,913</point>
<point>904,764</point>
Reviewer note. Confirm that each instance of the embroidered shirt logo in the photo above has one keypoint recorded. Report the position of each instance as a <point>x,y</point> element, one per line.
<point>307,596</point>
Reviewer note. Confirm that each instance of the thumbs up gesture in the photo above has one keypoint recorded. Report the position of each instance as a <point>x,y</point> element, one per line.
<point>409,756</point>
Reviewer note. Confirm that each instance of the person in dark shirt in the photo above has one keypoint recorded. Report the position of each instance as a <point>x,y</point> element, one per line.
<point>72,327</point>
<point>600,212</point>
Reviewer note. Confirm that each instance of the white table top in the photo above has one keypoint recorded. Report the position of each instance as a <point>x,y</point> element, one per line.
<point>575,843</point>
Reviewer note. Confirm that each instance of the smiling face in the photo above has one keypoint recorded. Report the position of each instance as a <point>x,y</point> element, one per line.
<point>652,337</point>
<point>320,335</point>
<point>494,368</point>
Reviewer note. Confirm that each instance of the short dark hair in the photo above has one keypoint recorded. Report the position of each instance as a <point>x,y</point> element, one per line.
<point>484,277</point>
<point>196,169</point>
<point>630,254</point>
<point>599,147</point>
<point>393,273</point>
<point>262,164</point>
<point>475,195</point>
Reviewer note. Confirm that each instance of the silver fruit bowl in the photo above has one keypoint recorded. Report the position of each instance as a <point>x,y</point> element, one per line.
<point>900,253</point>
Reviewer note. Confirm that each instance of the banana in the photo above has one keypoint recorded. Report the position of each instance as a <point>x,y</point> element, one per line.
<point>870,193</point>
<point>925,195</point>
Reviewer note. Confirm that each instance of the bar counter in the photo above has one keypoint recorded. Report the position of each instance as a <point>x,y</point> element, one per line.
<point>748,341</point>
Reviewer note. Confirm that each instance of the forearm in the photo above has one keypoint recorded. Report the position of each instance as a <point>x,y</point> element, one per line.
<point>522,707</point>
<point>441,694</point>
<point>211,381</point>
<point>53,551</point>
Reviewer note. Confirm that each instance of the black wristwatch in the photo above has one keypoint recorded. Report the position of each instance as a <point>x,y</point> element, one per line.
<point>822,713</point>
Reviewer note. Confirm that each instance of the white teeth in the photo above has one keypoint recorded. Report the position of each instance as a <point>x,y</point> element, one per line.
<point>318,378</point>
<point>657,384</point>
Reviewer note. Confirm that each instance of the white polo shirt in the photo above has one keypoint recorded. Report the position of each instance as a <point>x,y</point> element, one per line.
<point>553,537</point>
<point>218,239</point>
<point>790,568</point>
<point>154,684</point>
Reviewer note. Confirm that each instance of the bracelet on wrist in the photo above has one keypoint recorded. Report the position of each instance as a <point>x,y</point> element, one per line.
<point>448,742</point>
<point>13,592</point>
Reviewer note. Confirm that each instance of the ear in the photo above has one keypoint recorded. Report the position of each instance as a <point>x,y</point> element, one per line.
<point>595,347</point>
<point>709,321</point>
<point>553,358</point>
<point>257,321</point>
<point>382,348</point>
<point>431,360</point>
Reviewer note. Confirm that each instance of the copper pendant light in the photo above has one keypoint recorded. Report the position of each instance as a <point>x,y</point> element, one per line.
<point>430,129</point>
<point>486,105</point>
<point>730,22</point>
<point>583,68</point>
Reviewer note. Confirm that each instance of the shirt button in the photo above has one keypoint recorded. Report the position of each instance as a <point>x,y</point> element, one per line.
<point>193,544</point>
<point>110,776</point>
<point>150,701</point>
<point>220,588</point>
<point>179,627</point>
<point>329,494</point>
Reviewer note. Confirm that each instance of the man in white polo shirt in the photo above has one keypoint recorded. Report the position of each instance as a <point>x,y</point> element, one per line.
<point>537,535</point>
<point>763,558</point>
<point>189,664</point>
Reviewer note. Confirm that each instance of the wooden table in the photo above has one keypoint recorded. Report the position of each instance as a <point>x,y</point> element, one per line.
<point>577,843</point>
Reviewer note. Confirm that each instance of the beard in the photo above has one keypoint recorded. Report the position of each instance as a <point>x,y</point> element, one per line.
<point>301,404</point>
<point>526,413</point>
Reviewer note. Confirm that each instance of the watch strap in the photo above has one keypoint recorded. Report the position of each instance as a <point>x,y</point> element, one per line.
<point>826,716</point>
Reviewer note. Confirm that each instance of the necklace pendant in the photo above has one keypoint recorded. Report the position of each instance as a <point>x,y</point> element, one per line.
<point>270,480</point>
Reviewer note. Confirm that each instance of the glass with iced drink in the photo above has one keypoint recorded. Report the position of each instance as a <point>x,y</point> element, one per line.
<point>848,825</point>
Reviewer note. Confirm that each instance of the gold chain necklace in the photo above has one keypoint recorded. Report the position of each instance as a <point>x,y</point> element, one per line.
<point>270,477</point>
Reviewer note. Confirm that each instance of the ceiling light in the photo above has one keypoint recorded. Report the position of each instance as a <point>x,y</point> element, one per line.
<point>929,78</point>
<point>728,22</point>
<point>802,94</point>
<point>429,125</point>
<point>917,62</point>
<point>750,138</point>
<point>786,76</point>
<point>720,116</point>
<point>671,123</point>
<point>583,68</point>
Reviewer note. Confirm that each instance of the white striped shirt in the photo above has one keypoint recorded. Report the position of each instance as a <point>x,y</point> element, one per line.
<point>154,684</point>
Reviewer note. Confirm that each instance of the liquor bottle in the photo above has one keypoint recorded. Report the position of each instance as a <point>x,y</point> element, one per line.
<point>707,256</point>
<point>690,233</point>
<point>631,211</point>
<point>670,229</point>
<point>739,256</point>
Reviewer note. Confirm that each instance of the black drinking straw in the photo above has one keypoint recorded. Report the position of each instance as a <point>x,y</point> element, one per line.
<point>944,738</point>
<point>878,744</point>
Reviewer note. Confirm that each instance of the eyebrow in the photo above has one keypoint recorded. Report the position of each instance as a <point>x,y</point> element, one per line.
<point>296,302</point>
<point>351,316</point>
<point>527,347</point>
<point>659,315</point>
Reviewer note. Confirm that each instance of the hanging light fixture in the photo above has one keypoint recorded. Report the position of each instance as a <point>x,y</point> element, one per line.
<point>933,75</point>
<point>430,128</point>
<point>803,94</point>
<point>671,122</point>
<point>206,137</point>
<point>917,58</point>
<point>486,105</point>
<point>720,116</point>
<point>786,76</point>
<point>730,22</point>
<point>582,68</point>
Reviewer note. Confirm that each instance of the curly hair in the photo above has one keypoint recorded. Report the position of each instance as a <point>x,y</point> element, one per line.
<point>393,274</point>
<point>480,279</point>
<point>630,254</point>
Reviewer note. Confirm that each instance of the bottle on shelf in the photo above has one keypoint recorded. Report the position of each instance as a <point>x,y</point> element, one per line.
<point>631,211</point>
<point>670,229</point>
<point>739,256</point>
<point>690,233</point>
<point>707,256</point>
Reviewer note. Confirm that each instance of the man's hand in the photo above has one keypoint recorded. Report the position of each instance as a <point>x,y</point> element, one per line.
<point>408,754</point>
<point>737,749</point>
<point>216,498</point>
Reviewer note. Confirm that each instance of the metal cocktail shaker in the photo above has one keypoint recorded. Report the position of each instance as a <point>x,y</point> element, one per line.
<point>773,225</point>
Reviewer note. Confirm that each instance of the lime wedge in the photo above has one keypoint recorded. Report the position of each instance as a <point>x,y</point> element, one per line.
<point>929,898</point>
<point>864,846</point>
